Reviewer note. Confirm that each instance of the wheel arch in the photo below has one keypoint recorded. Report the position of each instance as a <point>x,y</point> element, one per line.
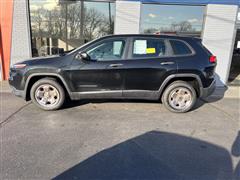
<point>194,79</point>
<point>37,76</point>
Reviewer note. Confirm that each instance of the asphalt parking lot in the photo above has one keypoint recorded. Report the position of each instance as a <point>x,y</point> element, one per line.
<point>120,140</point>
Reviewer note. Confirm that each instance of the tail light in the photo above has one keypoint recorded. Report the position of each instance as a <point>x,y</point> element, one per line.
<point>213,59</point>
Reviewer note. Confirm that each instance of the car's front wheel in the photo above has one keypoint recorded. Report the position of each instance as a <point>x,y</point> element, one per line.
<point>179,97</point>
<point>47,94</point>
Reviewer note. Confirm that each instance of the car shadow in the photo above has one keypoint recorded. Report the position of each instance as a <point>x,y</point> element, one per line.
<point>217,95</point>
<point>156,155</point>
<point>236,152</point>
<point>70,104</point>
<point>200,102</point>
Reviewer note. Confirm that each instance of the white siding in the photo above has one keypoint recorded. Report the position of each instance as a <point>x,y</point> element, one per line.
<point>238,19</point>
<point>219,37</point>
<point>21,41</point>
<point>127,20</point>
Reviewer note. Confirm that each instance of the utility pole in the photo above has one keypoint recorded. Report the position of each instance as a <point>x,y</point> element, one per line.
<point>66,28</point>
<point>110,18</point>
<point>81,21</point>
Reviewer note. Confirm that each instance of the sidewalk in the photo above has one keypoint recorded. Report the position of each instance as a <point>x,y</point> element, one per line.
<point>4,87</point>
<point>229,92</point>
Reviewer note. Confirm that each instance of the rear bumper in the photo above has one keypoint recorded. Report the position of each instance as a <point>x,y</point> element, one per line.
<point>209,90</point>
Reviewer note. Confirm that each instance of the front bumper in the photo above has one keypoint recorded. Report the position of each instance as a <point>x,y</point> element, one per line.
<point>209,90</point>
<point>17,92</point>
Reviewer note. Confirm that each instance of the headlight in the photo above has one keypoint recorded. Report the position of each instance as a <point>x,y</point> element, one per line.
<point>19,66</point>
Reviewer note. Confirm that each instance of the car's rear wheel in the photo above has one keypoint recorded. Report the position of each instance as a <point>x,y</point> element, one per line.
<point>179,97</point>
<point>47,94</point>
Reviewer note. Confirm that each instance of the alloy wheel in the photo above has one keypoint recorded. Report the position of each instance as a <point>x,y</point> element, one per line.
<point>180,98</point>
<point>47,95</point>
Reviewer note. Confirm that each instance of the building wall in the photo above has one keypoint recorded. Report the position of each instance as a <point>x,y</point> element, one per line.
<point>21,40</point>
<point>218,33</point>
<point>219,37</point>
<point>127,20</point>
<point>192,2</point>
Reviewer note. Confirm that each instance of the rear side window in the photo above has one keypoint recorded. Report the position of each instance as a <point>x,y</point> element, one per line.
<point>144,48</point>
<point>180,48</point>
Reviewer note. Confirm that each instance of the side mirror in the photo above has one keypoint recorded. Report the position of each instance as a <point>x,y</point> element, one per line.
<point>83,56</point>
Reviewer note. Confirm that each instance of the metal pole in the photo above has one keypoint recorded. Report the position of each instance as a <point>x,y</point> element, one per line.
<point>81,21</point>
<point>110,18</point>
<point>66,28</point>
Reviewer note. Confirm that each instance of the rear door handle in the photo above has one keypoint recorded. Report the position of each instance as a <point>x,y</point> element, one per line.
<point>167,63</point>
<point>115,65</point>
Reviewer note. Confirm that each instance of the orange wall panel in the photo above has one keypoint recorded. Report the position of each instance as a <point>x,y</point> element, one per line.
<point>6,15</point>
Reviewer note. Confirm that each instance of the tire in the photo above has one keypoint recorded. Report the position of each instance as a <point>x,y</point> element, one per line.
<point>179,97</point>
<point>47,94</point>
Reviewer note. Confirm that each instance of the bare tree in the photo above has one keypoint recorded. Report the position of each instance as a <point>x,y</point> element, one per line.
<point>94,21</point>
<point>183,26</point>
<point>74,20</point>
<point>38,21</point>
<point>151,30</point>
<point>54,23</point>
<point>107,26</point>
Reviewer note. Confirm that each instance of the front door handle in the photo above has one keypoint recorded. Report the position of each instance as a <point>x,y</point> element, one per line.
<point>115,65</point>
<point>167,63</point>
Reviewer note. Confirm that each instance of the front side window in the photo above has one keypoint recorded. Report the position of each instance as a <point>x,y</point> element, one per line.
<point>62,25</point>
<point>180,48</point>
<point>108,50</point>
<point>143,48</point>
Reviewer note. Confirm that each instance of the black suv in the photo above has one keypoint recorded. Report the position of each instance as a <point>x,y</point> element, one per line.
<point>175,70</point>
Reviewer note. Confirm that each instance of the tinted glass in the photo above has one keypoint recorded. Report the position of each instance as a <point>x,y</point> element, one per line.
<point>180,48</point>
<point>63,25</point>
<point>172,19</point>
<point>109,50</point>
<point>148,48</point>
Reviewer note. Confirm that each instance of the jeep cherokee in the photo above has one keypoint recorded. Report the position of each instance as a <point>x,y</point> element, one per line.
<point>172,69</point>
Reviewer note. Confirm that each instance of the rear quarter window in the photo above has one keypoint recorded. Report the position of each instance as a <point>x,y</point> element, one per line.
<point>180,48</point>
<point>205,49</point>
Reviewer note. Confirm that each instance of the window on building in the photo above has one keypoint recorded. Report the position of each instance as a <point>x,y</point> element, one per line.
<point>172,19</point>
<point>148,48</point>
<point>62,25</point>
<point>180,48</point>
